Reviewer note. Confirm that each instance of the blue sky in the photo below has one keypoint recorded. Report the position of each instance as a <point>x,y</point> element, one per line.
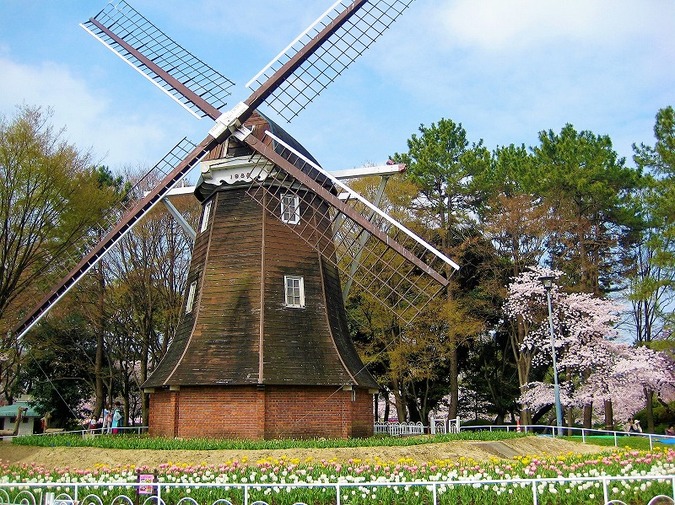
<point>505,70</point>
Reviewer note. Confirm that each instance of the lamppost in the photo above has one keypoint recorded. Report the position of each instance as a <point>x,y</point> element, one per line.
<point>547,281</point>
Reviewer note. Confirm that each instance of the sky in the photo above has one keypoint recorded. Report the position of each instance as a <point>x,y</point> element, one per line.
<point>504,70</point>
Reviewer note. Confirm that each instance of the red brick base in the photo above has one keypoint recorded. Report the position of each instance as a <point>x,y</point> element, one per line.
<point>255,413</point>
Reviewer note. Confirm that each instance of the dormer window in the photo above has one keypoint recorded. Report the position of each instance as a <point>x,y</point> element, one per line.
<point>295,291</point>
<point>290,208</point>
<point>205,216</point>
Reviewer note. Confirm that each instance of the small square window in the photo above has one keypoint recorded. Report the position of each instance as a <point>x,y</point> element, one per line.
<point>191,297</point>
<point>205,216</point>
<point>295,291</point>
<point>290,208</point>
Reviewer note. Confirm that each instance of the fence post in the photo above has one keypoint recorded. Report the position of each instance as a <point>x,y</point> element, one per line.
<point>535,500</point>
<point>432,426</point>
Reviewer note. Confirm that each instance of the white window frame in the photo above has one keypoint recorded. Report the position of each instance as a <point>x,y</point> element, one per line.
<point>189,305</point>
<point>294,291</point>
<point>205,216</point>
<point>290,214</point>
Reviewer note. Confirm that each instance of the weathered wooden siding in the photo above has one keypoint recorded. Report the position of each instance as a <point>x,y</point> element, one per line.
<point>299,345</point>
<point>243,364</point>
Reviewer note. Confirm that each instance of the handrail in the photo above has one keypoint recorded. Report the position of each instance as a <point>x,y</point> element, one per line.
<point>583,432</point>
<point>342,489</point>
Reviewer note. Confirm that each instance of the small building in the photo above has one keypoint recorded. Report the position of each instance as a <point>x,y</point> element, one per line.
<point>30,421</point>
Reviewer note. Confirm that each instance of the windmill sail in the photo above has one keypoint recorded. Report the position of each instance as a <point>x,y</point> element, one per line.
<point>322,53</point>
<point>352,28</point>
<point>171,169</point>
<point>385,259</point>
<point>184,77</point>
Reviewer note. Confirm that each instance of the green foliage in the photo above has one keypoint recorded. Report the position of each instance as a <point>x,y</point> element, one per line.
<point>442,163</point>
<point>158,443</point>
<point>59,384</point>
<point>50,199</point>
<point>654,280</point>
<point>590,192</point>
<point>492,382</point>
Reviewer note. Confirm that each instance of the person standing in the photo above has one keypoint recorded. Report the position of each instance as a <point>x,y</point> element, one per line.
<point>107,420</point>
<point>635,427</point>
<point>116,418</point>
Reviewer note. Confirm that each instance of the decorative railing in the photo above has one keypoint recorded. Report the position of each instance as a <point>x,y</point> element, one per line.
<point>399,429</point>
<point>607,490</point>
<point>436,427</point>
<point>584,433</point>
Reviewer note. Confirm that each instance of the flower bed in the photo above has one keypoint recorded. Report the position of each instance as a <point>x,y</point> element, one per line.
<point>573,478</point>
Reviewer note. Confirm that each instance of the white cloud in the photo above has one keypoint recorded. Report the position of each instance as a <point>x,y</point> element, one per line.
<point>494,25</point>
<point>121,136</point>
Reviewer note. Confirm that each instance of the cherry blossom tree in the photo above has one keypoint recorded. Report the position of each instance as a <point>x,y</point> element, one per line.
<point>593,368</point>
<point>524,311</point>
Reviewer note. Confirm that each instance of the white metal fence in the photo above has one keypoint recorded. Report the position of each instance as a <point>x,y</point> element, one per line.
<point>399,429</point>
<point>436,492</point>
<point>586,434</point>
<point>436,427</point>
<point>443,426</point>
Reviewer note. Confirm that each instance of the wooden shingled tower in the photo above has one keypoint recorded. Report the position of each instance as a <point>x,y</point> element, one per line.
<point>263,349</point>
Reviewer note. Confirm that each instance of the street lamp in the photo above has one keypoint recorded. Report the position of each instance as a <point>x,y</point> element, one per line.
<point>547,281</point>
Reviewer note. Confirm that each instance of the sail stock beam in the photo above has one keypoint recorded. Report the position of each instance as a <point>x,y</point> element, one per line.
<point>192,83</point>
<point>321,53</point>
<point>398,271</point>
<point>124,225</point>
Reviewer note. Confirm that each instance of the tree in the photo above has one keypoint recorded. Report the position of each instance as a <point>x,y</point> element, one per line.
<point>92,295</point>
<point>517,222</point>
<point>59,384</point>
<point>50,198</point>
<point>147,276</point>
<point>618,372</point>
<point>511,215</point>
<point>584,329</point>
<point>442,164</point>
<point>491,379</point>
<point>589,191</point>
<point>594,368</point>
<point>653,280</point>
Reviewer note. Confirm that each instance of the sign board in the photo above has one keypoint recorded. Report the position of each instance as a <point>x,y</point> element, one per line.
<point>146,481</point>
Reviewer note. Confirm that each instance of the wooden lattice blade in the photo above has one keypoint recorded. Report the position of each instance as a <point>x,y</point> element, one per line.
<point>184,77</point>
<point>394,266</point>
<point>185,151</point>
<point>352,27</point>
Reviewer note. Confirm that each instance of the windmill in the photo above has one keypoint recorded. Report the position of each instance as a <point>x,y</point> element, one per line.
<point>263,348</point>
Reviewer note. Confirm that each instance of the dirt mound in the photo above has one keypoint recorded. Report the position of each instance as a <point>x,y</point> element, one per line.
<point>86,457</point>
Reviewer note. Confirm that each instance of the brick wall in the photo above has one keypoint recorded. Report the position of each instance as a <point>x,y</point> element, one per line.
<point>163,409</point>
<point>363,417</point>
<point>254,413</point>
